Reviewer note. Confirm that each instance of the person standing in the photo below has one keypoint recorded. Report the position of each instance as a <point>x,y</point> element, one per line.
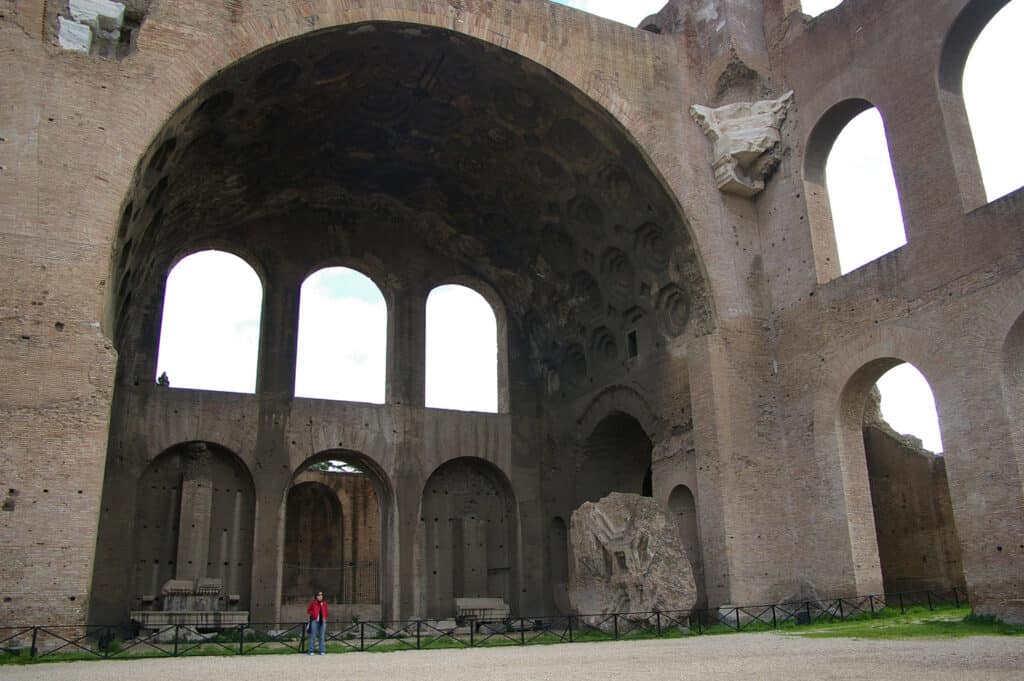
<point>317,612</point>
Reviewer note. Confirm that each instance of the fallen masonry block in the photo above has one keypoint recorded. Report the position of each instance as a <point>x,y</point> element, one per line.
<point>74,36</point>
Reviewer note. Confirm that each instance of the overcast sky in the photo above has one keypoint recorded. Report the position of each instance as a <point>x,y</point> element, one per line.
<point>213,300</point>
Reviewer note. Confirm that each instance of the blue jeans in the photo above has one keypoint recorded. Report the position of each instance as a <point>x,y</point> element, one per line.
<point>317,631</point>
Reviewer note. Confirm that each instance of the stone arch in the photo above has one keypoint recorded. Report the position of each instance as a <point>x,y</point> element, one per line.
<point>682,508</point>
<point>620,399</point>
<point>353,580</point>
<point>839,442</point>
<point>615,456</point>
<point>194,518</point>
<point>956,47</point>
<point>296,19</point>
<point>467,537</point>
<point>819,210</point>
<point>494,299</point>
<point>313,538</point>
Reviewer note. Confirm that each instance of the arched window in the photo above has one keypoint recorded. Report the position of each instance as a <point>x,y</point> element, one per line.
<point>994,103</point>
<point>907,404</point>
<point>851,192</point>
<point>342,341</point>
<point>209,336</point>
<point>816,7</point>
<point>462,350</point>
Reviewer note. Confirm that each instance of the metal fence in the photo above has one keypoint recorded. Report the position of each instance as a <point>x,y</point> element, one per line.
<point>352,583</point>
<point>64,642</point>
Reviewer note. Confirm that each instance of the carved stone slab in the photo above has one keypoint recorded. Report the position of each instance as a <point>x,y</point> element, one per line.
<point>746,137</point>
<point>627,558</point>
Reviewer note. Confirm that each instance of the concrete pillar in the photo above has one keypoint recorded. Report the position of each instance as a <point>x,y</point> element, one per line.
<point>407,337</point>
<point>279,330</point>
<point>195,511</point>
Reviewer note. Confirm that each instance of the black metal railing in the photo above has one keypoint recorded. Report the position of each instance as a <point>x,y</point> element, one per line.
<point>69,642</point>
<point>350,583</point>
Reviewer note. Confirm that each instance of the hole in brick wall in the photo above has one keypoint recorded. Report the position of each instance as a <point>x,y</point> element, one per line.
<point>631,344</point>
<point>7,599</point>
<point>59,326</point>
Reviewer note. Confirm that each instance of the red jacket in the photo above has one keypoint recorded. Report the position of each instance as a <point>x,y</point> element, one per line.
<point>316,609</point>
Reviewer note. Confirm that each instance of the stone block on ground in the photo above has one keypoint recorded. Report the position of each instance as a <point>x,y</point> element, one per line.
<point>627,557</point>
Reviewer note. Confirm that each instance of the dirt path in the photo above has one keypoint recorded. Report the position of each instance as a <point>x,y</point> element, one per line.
<point>766,657</point>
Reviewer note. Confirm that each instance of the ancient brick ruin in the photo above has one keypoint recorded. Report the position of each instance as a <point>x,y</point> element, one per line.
<point>671,316</point>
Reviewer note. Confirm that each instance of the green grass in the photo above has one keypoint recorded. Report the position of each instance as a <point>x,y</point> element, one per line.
<point>887,624</point>
<point>918,622</point>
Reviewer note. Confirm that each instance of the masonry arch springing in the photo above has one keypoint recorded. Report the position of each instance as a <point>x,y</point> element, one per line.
<point>977,104</point>
<point>342,337</point>
<point>852,200</point>
<point>209,333</point>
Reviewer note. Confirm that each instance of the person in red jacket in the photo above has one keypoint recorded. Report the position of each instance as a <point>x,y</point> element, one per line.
<point>317,612</point>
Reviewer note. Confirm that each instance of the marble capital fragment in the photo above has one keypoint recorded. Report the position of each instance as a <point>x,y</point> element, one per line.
<point>746,138</point>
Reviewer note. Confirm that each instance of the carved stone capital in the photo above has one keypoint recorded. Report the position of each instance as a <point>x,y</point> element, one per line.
<point>746,136</point>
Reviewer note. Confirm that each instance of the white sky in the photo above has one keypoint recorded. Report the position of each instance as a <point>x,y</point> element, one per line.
<point>213,300</point>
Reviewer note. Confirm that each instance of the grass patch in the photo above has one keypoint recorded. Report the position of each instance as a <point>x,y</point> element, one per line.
<point>919,622</point>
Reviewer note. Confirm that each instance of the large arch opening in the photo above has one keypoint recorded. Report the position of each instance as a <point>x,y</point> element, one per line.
<point>336,517</point>
<point>431,157</point>
<point>616,457</point>
<point>908,532</point>
<point>467,537</point>
<point>682,508</point>
<point>430,153</point>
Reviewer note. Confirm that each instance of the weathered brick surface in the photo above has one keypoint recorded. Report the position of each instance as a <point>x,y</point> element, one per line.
<point>768,393</point>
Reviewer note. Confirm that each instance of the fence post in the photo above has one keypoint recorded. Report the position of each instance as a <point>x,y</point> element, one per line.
<point>522,631</point>
<point>176,639</point>
<point>570,628</point>
<point>302,637</point>
<point>739,626</point>
<point>472,632</point>
<point>417,634</point>
<point>807,608</point>
<point>362,636</point>
<point>902,610</point>
<point>871,604</point>
<point>35,638</point>
<point>928,595</point>
<point>775,623</point>
<point>956,597</point>
<point>241,639</point>
<point>841,618</point>
<point>615,623</point>
<point>657,619</point>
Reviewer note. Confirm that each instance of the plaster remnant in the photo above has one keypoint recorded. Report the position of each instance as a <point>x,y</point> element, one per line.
<point>746,136</point>
<point>74,36</point>
<point>105,17</point>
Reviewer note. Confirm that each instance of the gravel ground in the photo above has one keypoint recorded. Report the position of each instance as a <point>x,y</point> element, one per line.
<point>765,657</point>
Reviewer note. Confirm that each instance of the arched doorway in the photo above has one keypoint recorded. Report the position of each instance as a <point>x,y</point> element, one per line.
<point>682,508</point>
<point>336,519</point>
<point>616,457</point>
